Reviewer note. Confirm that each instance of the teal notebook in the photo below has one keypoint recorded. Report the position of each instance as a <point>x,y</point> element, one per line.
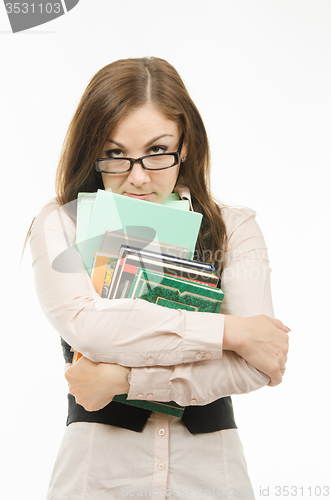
<point>85,204</point>
<point>113,212</point>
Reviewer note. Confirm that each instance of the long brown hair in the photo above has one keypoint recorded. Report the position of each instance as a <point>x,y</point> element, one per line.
<point>113,92</point>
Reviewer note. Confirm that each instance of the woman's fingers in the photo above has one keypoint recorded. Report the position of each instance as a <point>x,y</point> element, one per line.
<point>275,347</point>
<point>278,323</point>
<point>95,384</point>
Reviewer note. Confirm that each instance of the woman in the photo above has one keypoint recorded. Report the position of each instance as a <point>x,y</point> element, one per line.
<point>132,109</point>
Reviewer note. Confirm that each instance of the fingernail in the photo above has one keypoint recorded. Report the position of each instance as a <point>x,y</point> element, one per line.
<point>289,329</point>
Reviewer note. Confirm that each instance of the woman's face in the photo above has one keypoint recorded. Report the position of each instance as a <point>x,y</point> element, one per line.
<point>142,132</point>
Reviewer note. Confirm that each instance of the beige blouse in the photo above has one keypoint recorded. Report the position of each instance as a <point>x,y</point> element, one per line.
<point>176,355</point>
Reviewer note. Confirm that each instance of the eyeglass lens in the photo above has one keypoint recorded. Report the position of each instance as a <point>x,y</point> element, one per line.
<point>151,162</point>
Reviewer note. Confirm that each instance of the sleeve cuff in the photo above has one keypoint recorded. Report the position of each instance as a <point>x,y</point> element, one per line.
<point>198,347</point>
<point>151,383</point>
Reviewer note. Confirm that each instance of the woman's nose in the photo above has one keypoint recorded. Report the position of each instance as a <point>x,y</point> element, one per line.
<point>138,175</point>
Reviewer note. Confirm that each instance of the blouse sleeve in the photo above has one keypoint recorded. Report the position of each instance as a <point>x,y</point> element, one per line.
<point>129,332</point>
<point>246,286</point>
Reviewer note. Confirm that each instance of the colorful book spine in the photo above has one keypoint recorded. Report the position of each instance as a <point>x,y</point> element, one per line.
<point>130,259</point>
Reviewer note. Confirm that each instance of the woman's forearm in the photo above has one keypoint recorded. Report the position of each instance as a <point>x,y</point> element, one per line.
<point>136,333</point>
<point>261,340</point>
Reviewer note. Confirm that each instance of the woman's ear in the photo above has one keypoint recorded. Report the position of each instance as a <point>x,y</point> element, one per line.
<point>183,152</point>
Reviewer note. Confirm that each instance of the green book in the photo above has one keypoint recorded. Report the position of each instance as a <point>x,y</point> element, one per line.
<point>170,408</point>
<point>175,293</point>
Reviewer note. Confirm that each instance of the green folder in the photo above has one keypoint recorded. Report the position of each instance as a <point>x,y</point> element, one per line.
<point>109,211</point>
<point>85,203</point>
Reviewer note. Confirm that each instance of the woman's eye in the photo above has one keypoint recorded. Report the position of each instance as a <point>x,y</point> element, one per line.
<point>114,153</point>
<point>157,150</point>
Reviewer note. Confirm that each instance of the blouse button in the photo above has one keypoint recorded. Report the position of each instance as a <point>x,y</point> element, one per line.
<point>149,396</point>
<point>140,395</point>
<point>162,432</point>
<point>161,466</point>
<point>150,360</point>
<point>208,355</point>
<point>198,356</point>
<point>193,401</point>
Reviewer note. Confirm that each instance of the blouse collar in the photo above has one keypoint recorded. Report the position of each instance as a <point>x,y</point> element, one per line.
<point>184,193</point>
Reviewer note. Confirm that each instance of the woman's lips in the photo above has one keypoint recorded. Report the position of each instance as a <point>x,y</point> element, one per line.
<point>139,196</point>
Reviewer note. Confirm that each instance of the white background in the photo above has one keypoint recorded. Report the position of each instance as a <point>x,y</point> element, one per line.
<point>260,73</point>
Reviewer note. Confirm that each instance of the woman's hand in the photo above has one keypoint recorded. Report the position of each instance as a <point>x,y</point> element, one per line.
<point>262,341</point>
<point>95,384</point>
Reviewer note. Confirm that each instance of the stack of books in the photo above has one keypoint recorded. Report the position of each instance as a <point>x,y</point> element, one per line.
<point>132,261</point>
<point>135,271</point>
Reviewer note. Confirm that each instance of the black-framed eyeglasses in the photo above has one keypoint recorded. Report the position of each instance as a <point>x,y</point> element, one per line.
<point>149,162</point>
